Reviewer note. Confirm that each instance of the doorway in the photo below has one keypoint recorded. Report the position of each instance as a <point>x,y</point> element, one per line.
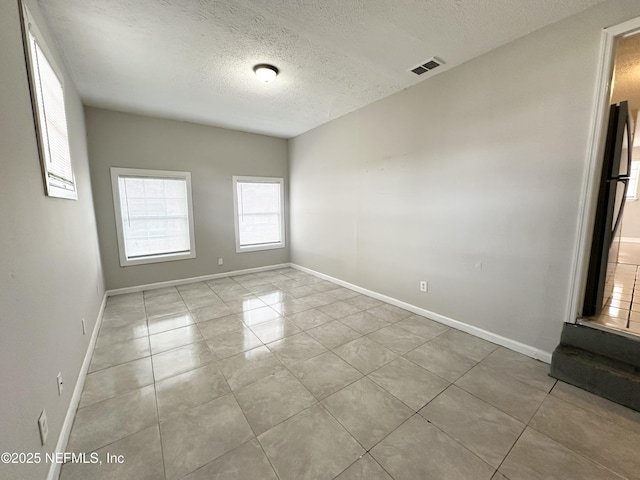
<point>622,308</point>
<point>619,305</point>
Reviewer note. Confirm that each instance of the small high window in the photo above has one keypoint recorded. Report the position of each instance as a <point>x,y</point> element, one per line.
<point>259,213</point>
<point>47,93</point>
<point>154,215</point>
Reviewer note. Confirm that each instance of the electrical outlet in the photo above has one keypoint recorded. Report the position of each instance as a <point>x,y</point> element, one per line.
<point>60,384</point>
<point>43,426</point>
<point>424,286</point>
<point>478,265</point>
<point>220,261</point>
<point>84,328</point>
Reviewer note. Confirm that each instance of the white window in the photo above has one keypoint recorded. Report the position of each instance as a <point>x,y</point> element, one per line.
<point>632,189</point>
<point>47,93</point>
<point>258,205</point>
<point>154,215</point>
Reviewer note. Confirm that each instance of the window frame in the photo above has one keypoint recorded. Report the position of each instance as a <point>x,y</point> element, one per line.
<point>125,261</point>
<point>264,246</point>
<point>52,187</point>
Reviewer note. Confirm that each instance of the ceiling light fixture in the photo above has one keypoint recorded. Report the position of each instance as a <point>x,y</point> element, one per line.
<point>265,73</point>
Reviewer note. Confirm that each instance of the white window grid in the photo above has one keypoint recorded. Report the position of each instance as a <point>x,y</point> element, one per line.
<point>258,213</point>
<point>154,215</point>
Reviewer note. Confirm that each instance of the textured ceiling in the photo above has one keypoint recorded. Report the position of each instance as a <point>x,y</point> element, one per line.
<point>192,59</point>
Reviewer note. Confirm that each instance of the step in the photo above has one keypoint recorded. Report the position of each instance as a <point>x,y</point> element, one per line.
<point>615,345</point>
<point>610,378</point>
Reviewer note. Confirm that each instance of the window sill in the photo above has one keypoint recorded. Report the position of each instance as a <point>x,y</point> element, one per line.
<point>57,192</point>
<point>257,248</point>
<point>127,262</point>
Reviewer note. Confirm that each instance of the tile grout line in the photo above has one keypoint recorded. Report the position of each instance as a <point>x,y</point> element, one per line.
<point>496,469</point>
<point>512,378</point>
<point>233,393</point>
<point>578,454</point>
<point>367,451</point>
<point>155,392</point>
<point>252,383</point>
<point>588,459</point>
<point>633,291</point>
<point>316,401</point>
<point>526,425</point>
<point>230,392</point>
<point>125,393</point>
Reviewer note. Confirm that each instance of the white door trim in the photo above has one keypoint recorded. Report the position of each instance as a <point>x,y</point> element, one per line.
<point>591,174</point>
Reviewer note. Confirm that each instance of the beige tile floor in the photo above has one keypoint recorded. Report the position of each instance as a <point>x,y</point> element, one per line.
<point>281,375</point>
<point>621,309</point>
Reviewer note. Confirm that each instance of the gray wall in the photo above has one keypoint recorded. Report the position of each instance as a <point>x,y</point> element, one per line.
<point>482,163</point>
<point>50,273</point>
<point>631,219</point>
<point>212,155</point>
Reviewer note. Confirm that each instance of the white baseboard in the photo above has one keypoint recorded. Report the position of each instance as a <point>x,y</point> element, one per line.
<point>63,438</point>
<point>514,345</point>
<point>630,239</point>
<point>183,281</point>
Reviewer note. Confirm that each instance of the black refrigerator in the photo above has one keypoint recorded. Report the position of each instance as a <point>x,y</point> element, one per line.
<point>616,168</point>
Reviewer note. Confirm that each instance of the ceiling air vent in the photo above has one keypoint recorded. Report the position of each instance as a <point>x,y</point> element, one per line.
<point>428,65</point>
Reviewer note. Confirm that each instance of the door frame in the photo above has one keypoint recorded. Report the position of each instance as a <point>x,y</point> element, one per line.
<point>591,174</point>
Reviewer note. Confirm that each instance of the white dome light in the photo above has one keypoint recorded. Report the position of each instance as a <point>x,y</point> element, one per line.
<point>265,73</point>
